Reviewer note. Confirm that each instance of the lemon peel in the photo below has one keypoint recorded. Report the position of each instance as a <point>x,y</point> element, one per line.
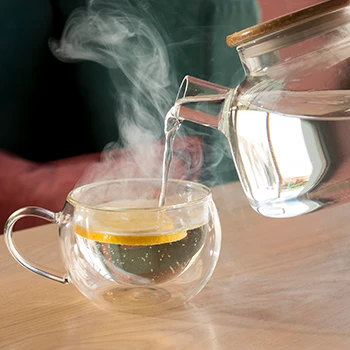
<point>138,228</point>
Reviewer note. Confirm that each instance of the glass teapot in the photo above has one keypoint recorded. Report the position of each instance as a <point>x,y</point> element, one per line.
<point>288,122</point>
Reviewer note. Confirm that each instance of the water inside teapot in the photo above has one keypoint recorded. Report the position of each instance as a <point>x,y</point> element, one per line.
<point>294,158</point>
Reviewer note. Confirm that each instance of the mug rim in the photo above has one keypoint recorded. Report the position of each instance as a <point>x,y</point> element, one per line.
<point>207,195</point>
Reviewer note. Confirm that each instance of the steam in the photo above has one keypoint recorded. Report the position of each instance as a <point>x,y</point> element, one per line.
<point>125,38</point>
<point>122,37</point>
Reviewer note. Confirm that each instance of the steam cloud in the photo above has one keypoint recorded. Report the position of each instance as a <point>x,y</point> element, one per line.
<point>122,36</point>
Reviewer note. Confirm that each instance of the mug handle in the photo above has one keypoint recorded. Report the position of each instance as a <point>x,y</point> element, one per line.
<point>19,214</point>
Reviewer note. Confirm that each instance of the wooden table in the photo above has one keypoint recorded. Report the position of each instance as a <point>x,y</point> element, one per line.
<point>279,284</point>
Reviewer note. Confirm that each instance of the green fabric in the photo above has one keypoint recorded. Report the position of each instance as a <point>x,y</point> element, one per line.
<point>75,103</point>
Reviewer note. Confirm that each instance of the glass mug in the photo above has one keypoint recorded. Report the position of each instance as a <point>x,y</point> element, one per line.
<point>122,251</point>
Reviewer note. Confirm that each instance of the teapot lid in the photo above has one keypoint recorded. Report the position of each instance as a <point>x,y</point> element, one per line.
<point>285,21</point>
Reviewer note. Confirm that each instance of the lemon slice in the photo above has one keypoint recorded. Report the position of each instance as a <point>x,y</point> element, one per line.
<point>116,228</point>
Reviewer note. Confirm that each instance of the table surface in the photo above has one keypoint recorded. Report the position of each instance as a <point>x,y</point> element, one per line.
<point>279,284</point>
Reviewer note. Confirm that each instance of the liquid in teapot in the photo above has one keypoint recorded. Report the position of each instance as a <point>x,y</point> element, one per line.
<point>294,158</point>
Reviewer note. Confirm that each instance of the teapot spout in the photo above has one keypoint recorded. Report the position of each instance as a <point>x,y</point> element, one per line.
<point>202,102</point>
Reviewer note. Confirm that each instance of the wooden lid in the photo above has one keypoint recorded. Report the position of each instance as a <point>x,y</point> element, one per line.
<point>285,21</point>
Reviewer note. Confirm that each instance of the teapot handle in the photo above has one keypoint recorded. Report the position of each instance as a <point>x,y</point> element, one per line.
<point>19,214</point>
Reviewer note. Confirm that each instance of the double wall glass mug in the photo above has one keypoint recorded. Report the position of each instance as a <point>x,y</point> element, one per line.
<point>124,252</point>
<point>288,121</point>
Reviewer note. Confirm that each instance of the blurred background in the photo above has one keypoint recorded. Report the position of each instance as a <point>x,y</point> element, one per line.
<point>57,118</point>
<point>274,8</point>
